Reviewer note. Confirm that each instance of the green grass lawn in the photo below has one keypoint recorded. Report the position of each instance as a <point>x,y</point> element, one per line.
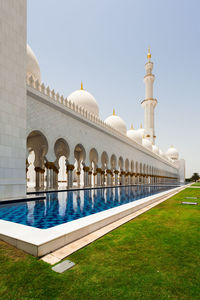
<point>196,184</point>
<point>155,256</point>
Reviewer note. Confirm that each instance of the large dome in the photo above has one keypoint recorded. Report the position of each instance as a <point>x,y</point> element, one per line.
<point>155,149</point>
<point>172,153</point>
<point>84,99</point>
<point>134,135</point>
<point>117,123</point>
<point>141,130</point>
<point>147,144</point>
<point>32,65</point>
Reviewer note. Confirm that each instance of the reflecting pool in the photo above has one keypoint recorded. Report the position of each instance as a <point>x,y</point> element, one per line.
<point>63,207</point>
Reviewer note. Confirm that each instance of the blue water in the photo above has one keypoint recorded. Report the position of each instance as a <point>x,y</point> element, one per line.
<point>63,207</point>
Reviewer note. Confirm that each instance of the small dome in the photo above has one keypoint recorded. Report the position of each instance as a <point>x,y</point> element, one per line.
<point>141,131</point>
<point>155,149</point>
<point>172,153</point>
<point>147,143</point>
<point>161,153</point>
<point>84,99</point>
<point>117,123</point>
<point>32,65</point>
<point>134,135</point>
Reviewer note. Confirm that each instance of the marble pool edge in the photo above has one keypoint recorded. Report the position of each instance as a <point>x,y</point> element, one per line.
<point>39,242</point>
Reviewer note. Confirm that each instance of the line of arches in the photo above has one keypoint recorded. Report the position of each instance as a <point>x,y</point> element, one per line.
<point>77,167</point>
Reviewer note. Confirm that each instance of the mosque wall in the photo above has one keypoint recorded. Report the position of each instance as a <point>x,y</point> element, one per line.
<point>12,98</point>
<point>56,121</point>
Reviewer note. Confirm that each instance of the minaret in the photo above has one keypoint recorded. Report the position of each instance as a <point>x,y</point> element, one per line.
<point>149,103</point>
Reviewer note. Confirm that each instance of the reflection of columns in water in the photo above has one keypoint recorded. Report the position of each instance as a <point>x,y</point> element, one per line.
<point>69,207</point>
<point>30,214</point>
<point>62,204</point>
<point>109,195</point>
<point>77,203</point>
<point>116,195</point>
<point>39,211</point>
<point>87,200</point>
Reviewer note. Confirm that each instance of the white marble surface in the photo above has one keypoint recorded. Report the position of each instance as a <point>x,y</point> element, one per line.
<point>12,98</point>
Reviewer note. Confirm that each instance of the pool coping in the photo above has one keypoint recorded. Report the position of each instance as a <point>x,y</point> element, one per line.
<point>39,242</point>
<point>97,187</point>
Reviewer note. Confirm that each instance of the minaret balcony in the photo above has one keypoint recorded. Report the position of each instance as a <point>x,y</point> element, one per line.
<point>149,100</point>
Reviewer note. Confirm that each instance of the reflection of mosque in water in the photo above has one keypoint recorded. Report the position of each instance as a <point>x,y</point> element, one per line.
<point>59,208</point>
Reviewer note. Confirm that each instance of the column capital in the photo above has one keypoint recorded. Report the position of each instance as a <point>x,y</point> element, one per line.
<point>49,165</point>
<point>70,167</point>
<point>86,169</point>
<point>108,171</point>
<point>98,170</point>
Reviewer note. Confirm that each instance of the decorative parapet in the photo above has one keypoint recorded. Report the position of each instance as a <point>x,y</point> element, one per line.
<point>78,109</point>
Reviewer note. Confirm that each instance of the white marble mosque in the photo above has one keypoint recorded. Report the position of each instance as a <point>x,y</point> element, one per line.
<point>48,140</point>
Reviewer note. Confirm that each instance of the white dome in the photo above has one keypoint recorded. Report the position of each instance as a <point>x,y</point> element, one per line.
<point>147,143</point>
<point>32,66</point>
<point>162,154</point>
<point>134,135</point>
<point>141,132</point>
<point>84,99</point>
<point>117,123</point>
<point>155,149</point>
<point>172,153</point>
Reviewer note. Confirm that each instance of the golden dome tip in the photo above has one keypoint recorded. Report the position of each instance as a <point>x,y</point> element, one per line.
<point>81,85</point>
<point>149,54</point>
<point>113,112</point>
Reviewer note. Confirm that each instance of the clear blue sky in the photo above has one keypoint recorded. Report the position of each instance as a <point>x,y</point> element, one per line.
<point>104,44</point>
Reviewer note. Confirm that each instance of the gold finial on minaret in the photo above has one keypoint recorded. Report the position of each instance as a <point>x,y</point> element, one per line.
<point>149,54</point>
<point>141,125</point>
<point>132,127</point>
<point>113,112</point>
<point>81,86</point>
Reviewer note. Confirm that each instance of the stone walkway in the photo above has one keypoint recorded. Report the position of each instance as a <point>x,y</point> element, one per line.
<point>65,251</point>
<point>194,187</point>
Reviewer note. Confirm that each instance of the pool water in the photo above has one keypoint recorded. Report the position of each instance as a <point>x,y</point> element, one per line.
<point>63,207</point>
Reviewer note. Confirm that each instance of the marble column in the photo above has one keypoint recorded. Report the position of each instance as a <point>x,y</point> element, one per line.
<point>98,170</point>
<point>108,174</point>
<point>86,181</point>
<point>90,178</point>
<point>70,169</point>
<point>42,178</point>
<point>37,177</point>
<point>102,178</point>
<point>78,173</point>
<point>116,172</point>
<point>47,178</point>
<point>122,177</point>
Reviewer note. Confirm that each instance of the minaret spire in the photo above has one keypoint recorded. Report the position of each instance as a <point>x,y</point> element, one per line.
<point>149,55</point>
<point>149,103</point>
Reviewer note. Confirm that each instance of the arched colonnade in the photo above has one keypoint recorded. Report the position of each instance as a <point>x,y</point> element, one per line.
<point>78,167</point>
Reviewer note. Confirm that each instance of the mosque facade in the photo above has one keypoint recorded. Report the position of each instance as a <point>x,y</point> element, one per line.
<point>48,140</point>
